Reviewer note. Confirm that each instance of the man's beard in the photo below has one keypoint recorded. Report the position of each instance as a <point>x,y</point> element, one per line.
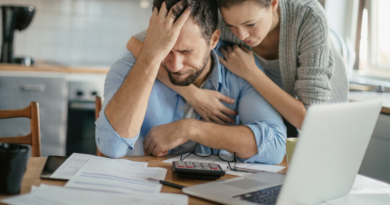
<point>193,74</point>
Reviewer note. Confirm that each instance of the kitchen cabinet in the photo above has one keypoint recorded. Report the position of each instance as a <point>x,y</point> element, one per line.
<point>56,89</point>
<point>50,91</point>
<point>376,162</point>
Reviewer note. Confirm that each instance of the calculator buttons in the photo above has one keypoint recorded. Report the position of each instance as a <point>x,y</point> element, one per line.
<point>201,170</point>
<point>181,164</point>
<point>189,165</point>
<point>198,165</point>
<point>214,166</point>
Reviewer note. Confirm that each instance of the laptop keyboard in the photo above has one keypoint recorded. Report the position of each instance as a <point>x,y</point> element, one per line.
<point>264,196</point>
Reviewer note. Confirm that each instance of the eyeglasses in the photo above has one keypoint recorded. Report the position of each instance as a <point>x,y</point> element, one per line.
<point>222,157</point>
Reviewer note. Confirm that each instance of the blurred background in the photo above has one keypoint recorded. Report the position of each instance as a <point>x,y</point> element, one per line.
<point>71,44</point>
<point>80,32</point>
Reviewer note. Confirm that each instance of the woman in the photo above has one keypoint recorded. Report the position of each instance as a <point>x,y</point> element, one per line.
<point>291,40</point>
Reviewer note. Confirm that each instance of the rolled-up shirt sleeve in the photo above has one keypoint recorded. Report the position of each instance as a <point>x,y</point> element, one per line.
<point>107,139</point>
<point>266,124</point>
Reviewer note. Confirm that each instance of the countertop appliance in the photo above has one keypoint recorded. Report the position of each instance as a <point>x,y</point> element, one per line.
<point>14,18</point>
<point>80,135</point>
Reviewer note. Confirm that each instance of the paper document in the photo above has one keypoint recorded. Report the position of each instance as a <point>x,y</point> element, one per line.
<point>366,185</point>
<point>54,195</point>
<point>360,199</point>
<point>260,167</point>
<point>76,161</point>
<point>115,177</point>
<point>224,165</point>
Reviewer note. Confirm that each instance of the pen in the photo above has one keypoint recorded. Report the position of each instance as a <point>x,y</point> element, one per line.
<point>246,170</point>
<point>167,183</point>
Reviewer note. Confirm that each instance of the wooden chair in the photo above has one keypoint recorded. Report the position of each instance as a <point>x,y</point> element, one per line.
<point>98,107</point>
<point>34,138</point>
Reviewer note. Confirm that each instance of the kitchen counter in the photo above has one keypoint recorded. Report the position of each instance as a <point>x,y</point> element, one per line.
<point>47,67</point>
<point>369,96</point>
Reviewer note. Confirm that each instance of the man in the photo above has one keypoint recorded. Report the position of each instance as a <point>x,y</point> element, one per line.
<point>183,38</point>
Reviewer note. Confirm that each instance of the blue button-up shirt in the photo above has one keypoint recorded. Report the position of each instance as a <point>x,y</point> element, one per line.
<point>166,106</point>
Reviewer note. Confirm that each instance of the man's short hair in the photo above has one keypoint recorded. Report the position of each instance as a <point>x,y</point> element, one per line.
<point>204,12</point>
<point>230,3</point>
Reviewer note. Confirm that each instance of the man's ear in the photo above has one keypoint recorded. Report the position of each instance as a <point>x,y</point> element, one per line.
<point>214,39</point>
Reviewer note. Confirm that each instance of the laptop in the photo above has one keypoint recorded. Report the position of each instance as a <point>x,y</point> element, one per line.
<point>326,159</point>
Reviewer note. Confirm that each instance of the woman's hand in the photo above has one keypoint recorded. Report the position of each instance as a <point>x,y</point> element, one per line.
<point>239,61</point>
<point>207,104</point>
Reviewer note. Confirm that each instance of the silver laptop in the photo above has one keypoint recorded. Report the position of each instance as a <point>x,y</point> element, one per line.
<point>326,159</point>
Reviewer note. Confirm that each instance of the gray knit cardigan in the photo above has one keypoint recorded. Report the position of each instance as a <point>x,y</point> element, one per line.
<point>311,68</point>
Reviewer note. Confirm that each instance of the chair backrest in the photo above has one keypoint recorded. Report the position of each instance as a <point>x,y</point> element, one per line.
<point>34,138</point>
<point>98,107</point>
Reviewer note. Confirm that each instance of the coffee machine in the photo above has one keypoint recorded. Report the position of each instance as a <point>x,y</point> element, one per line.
<point>14,18</point>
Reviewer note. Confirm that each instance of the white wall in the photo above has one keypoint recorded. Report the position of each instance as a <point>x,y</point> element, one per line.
<point>342,17</point>
<point>80,32</point>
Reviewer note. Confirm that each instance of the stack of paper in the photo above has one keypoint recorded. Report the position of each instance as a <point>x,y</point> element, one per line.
<point>70,167</point>
<point>99,180</point>
<point>117,177</point>
<point>54,195</point>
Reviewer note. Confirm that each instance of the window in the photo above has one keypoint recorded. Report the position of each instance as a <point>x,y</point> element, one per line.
<point>382,34</point>
<point>374,49</point>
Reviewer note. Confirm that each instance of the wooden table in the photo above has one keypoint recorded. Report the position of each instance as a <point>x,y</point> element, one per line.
<point>35,166</point>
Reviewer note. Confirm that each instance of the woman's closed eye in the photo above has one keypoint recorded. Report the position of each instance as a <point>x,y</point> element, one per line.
<point>250,25</point>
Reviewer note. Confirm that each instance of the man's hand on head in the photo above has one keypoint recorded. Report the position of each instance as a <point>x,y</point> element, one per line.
<point>163,30</point>
<point>163,138</point>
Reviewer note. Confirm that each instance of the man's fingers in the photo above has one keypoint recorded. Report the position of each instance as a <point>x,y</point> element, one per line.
<point>174,12</point>
<point>163,10</point>
<point>154,14</point>
<point>151,148</point>
<point>146,151</point>
<point>163,153</point>
<point>157,151</point>
<point>182,19</point>
<point>146,143</point>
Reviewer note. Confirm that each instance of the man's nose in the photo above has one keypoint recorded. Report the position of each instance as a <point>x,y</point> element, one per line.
<point>176,63</point>
<point>242,34</point>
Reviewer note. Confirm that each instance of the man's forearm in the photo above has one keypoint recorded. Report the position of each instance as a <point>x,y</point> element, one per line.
<point>126,110</point>
<point>238,139</point>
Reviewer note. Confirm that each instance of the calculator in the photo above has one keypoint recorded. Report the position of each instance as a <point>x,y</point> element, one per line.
<point>200,170</point>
